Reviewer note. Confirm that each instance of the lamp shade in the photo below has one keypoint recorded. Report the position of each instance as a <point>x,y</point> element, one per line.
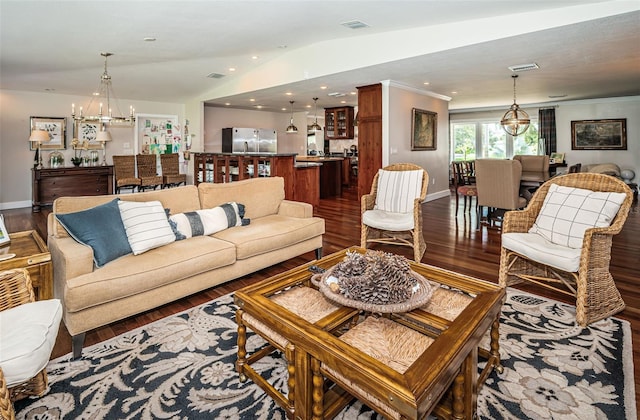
<point>40,136</point>
<point>103,136</point>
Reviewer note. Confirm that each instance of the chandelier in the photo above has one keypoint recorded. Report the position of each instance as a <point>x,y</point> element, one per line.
<point>315,126</point>
<point>515,121</point>
<point>291,129</point>
<point>100,113</point>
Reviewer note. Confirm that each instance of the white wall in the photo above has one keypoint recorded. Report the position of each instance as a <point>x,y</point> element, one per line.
<point>215,119</point>
<point>397,135</point>
<point>16,160</point>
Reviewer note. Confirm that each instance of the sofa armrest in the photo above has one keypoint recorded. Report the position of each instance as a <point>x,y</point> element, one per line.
<point>70,259</point>
<point>295,209</point>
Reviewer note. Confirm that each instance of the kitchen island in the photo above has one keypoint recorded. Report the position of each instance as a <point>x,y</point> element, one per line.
<point>330,173</point>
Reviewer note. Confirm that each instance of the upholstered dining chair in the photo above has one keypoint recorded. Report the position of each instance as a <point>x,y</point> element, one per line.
<point>463,174</point>
<point>171,176</point>
<point>148,171</point>
<point>498,183</point>
<point>124,168</point>
<point>392,211</point>
<point>28,331</point>
<point>535,171</point>
<point>562,241</point>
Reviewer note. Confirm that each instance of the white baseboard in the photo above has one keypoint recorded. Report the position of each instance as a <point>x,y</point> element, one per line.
<point>15,205</point>
<point>437,195</point>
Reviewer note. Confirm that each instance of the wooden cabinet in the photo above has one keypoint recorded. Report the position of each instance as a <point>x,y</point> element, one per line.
<point>338,123</point>
<point>49,184</point>
<point>229,167</point>
<point>369,135</point>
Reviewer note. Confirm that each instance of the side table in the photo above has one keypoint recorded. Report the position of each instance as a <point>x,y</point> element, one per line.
<point>31,253</point>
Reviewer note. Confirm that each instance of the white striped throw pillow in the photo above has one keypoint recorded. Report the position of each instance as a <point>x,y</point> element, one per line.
<point>397,190</point>
<point>146,225</point>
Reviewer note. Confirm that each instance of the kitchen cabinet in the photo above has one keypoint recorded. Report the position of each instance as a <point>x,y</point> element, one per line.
<point>369,135</point>
<point>338,123</point>
<point>51,183</point>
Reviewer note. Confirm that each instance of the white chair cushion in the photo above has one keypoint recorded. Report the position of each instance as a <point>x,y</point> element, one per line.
<point>28,333</point>
<point>537,248</point>
<point>568,212</point>
<point>397,190</point>
<point>385,220</point>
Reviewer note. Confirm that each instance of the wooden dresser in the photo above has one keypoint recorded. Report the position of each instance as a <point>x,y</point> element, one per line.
<point>49,184</point>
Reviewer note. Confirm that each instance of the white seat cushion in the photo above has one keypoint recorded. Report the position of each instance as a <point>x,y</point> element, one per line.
<point>537,248</point>
<point>385,220</point>
<point>28,333</point>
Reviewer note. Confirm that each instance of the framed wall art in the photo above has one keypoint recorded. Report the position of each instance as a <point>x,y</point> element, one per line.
<point>87,131</point>
<point>424,126</point>
<point>610,134</point>
<point>57,129</point>
<point>157,134</point>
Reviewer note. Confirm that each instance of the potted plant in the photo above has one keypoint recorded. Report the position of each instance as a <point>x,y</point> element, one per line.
<point>78,146</point>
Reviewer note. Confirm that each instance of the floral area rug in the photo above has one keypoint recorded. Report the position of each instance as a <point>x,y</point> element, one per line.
<point>182,367</point>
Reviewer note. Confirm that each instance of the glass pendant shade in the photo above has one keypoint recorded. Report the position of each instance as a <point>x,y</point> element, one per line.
<point>515,121</point>
<point>291,129</point>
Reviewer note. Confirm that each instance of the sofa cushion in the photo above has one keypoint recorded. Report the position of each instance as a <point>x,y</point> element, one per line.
<point>271,233</point>
<point>101,228</point>
<point>29,333</point>
<point>568,212</point>
<point>260,196</point>
<point>209,221</point>
<point>134,274</point>
<point>146,225</point>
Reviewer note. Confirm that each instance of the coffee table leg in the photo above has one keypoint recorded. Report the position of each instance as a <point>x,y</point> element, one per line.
<point>318,391</point>
<point>495,345</point>
<point>242,341</point>
<point>289,352</point>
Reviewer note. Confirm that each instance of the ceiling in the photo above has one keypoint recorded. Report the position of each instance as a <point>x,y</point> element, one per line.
<point>585,49</point>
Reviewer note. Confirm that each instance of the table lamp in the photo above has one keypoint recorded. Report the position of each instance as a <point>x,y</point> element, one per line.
<point>39,136</point>
<point>103,137</point>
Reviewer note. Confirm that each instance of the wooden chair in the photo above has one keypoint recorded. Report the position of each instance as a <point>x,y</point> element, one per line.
<point>148,172</point>
<point>124,168</point>
<point>392,212</point>
<point>23,373</point>
<point>463,173</point>
<point>171,176</point>
<point>579,272</point>
<point>498,182</point>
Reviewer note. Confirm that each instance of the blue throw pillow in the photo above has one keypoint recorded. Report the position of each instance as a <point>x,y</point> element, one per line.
<point>101,228</point>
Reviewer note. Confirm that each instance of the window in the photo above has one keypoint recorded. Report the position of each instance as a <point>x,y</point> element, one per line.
<point>487,139</point>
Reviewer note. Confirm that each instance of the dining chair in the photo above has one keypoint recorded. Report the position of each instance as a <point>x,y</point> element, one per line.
<point>28,334</point>
<point>148,171</point>
<point>171,176</point>
<point>463,173</point>
<point>535,171</point>
<point>124,169</point>
<point>557,243</point>
<point>498,183</point>
<point>392,211</point>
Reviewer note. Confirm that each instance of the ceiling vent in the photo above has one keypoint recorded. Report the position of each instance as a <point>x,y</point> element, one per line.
<point>336,94</point>
<point>524,67</point>
<point>354,24</point>
<point>215,75</point>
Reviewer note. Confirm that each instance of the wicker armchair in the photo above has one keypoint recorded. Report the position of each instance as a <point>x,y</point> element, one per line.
<point>23,373</point>
<point>397,228</point>
<point>124,168</point>
<point>171,176</point>
<point>147,172</point>
<point>591,283</point>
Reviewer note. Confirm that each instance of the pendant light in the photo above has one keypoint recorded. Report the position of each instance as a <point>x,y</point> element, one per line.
<point>315,126</point>
<point>291,129</point>
<point>515,121</point>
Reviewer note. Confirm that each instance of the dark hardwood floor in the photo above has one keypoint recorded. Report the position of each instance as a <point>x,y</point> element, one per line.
<point>452,243</point>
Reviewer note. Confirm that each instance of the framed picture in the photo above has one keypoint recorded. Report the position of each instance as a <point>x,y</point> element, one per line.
<point>556,157</point>
<point>599,134</point>
<point>57,129</point>
<point>423,130</point>
<point>4,235</point>
<point>87,131</point>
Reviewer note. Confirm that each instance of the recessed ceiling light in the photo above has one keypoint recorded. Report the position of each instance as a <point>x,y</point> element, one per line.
<point>259,106</point>
<point>288,93</point>
<point>454,92</point>
<point>96,93</point>
<point>426,83</point>
<point>252,100</point>
<point>343,102</point>
<point>149,38</point>
<point>353,93</point>
<point>254,57</point>
<point>232,69</point>
<point>283,109</point>
<point>323,87</point>
<point>227,103</point>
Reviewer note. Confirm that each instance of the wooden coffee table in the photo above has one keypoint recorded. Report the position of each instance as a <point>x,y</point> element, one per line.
<point>31,253</point>
<point>443,379</point>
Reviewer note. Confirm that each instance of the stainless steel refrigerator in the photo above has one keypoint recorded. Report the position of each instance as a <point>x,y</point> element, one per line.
<point>249,140</point>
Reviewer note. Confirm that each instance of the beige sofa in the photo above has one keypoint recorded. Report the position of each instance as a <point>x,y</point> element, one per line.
<point>279,229</point>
